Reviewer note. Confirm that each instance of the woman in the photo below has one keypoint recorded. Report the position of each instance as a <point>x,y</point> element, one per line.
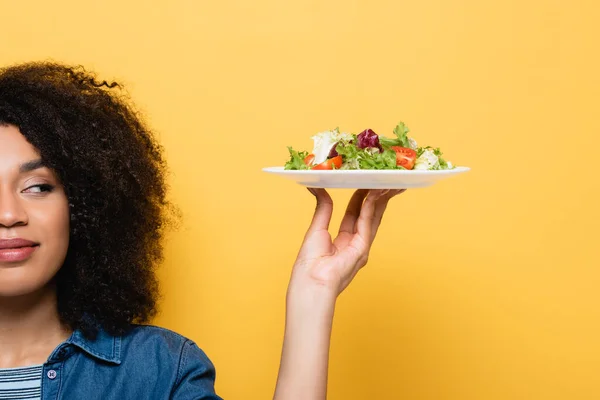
<point>82,215</point>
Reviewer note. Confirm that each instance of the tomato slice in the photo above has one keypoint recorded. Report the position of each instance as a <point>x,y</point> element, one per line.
<point>405,157</point>
<point>308,160</point>
<point>329,164</point>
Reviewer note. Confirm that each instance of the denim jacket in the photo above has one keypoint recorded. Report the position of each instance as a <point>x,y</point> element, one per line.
<point>146,363</point>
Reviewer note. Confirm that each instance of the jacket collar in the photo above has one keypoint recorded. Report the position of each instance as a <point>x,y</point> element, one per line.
<point>104,347</point>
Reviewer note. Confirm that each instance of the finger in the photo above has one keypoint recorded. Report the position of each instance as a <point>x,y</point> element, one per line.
<point>323,212</point>
<point>380,207</point>
<point>353,211</point>
<point>364,223</point>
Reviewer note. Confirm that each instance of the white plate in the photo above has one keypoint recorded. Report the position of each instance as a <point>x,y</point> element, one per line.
<point>366,179</point>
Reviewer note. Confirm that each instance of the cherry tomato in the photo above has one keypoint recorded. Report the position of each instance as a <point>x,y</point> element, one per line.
<point>308,160</point>
<point>329,164</point>
<point>405,157</point>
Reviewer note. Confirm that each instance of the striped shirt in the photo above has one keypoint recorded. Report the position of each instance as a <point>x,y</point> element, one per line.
<point>21,383</point>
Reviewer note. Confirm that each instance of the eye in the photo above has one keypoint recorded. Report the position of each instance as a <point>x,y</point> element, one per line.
<point>39,188</point>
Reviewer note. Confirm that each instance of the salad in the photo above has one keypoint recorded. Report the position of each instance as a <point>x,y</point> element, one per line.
<point>367,150</point>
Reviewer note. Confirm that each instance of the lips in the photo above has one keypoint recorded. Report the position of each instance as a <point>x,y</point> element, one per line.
<point>15,250</point>
<point>15,243</point>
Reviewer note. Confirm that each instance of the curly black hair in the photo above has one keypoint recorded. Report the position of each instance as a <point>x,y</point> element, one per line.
<point>113,171</point>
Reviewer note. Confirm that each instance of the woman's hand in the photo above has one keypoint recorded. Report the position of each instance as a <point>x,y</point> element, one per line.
<point>333,264</point>
<point>323,269</point>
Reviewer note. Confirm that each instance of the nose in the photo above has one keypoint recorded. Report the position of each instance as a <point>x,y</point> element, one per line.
<point>12,212</point>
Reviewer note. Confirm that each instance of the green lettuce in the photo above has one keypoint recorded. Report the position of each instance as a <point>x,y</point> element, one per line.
<point>369,158</point>
<point>296,159</point>
<point>401,132</point>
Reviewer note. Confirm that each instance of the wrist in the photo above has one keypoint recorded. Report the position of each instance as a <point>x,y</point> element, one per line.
<point>311,294</point>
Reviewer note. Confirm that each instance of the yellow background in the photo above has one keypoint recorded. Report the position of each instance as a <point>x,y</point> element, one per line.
<point>484,286</point>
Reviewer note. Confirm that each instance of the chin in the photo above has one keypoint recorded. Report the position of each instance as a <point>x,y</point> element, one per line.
<point>17,282</point>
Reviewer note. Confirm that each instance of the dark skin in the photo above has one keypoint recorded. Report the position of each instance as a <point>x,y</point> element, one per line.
<point>33,206</point>
<point>323,269</point>
<point>96,175</point>
<point>112,174</point>
<point>31,327</point>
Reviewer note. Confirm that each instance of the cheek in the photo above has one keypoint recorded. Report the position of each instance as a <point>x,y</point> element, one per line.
<point>59,225</point>
<point>49,224</point>
<point>52,224</point>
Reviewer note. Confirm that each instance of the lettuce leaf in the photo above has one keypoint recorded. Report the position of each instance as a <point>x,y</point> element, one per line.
<point>296,159</point>
<point>401,132</point>
<point>369,158</point>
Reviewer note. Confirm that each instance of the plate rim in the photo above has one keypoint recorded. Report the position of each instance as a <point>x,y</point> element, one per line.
<point>280,169</point>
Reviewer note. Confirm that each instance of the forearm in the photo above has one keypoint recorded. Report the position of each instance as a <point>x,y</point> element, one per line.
<point>305,354</point>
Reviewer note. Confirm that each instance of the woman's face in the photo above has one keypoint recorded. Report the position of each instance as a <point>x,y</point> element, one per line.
<point>34,218</point>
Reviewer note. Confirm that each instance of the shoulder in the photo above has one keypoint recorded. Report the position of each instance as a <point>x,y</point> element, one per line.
<point>150,335</point>
<point>191,371</point>
<point>141,355</point>
<point>144,341</point>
